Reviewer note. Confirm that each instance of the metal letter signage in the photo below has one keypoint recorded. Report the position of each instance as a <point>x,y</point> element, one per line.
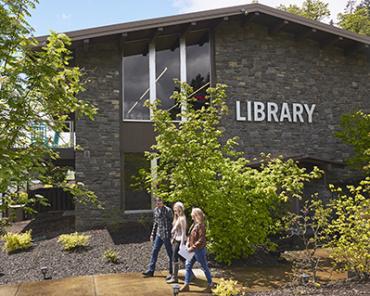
<point>273,112</point>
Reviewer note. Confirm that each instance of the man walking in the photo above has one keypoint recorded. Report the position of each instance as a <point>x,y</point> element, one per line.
<point>161,234</point>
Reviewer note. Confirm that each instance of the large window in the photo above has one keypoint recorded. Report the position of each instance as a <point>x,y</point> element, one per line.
<point>149,72</point>
<point>136,84</point>
<point>198,66</point>
<point>136,198</point>
<point>167,68</point>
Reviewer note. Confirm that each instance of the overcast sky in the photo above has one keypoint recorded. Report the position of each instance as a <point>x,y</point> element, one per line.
<point>69,15</point>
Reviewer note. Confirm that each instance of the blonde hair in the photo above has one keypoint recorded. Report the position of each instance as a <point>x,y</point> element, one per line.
<point>198,214</point>
<point>181,207</point>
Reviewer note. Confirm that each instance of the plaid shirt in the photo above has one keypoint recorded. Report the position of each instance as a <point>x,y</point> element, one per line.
<point>162,222</point>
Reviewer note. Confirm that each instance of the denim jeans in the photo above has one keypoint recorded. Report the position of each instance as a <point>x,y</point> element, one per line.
<point>200,256</point>
<point>157,244</point>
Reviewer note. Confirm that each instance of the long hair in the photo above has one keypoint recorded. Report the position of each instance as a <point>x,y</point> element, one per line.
<point>198,214</point>
<point>181,208</point>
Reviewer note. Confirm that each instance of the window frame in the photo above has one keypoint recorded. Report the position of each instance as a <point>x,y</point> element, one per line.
<point>152,75</point>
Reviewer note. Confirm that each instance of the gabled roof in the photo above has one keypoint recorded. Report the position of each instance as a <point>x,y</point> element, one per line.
<point>274,18</point>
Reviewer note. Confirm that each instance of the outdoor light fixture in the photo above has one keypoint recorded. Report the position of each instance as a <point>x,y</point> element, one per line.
<point>176,289</point>
<point>305,278</point>
<point>44,271</point>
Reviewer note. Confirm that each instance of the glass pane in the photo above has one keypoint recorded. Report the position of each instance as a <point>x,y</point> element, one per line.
<point>198,67</point>
<point>135,199</point>
<point>136,87</point>
<point>168,62</point>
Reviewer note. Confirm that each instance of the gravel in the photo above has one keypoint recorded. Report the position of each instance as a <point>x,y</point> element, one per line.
<point>338,289</point>
<point>26,266</point>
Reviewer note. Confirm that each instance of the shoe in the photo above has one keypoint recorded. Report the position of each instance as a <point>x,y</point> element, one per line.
<point>148,273</point>
<point>207,290</point>
<point>168,277</point>
<point>172,280</point>
<point>184,288</point>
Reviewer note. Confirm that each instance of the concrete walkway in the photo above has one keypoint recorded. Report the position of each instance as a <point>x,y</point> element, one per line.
<point>123,284</point>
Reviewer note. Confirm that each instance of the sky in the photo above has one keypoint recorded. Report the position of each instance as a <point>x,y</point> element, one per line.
<point>69,15</point>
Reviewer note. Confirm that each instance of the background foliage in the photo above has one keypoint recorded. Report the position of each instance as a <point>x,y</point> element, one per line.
<point>38,87</point>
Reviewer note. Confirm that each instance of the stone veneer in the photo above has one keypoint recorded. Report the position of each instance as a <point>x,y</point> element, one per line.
<point>260,67</point>
<point>99,166</point>
<point>255,66</point>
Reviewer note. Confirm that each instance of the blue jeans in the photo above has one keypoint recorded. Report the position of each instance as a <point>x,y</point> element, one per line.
<point>200,256</point>
<point>157,244</point>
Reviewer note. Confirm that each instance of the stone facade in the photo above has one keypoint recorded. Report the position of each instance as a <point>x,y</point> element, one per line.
<point>255,66</point>
<point>260,67</point>
<point>99,165</point>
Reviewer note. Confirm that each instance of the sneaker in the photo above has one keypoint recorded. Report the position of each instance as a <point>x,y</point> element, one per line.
<point>168,277</point>
<point>172,280</point>
<point>148,273</point>
<point>184,288</point>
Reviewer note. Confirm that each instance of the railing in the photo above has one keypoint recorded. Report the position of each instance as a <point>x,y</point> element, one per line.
<point>65,139</point>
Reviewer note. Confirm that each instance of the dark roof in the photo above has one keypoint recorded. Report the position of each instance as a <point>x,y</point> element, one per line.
<point>274,18</point>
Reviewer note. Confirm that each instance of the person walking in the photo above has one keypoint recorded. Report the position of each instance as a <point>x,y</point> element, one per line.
<point>178,237</point>
<point>197,244</point>
<point>161,235</point>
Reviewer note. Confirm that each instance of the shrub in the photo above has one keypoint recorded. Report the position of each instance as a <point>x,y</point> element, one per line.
<point>310,225</point>
<point>200,167</point>
<point>74,241</point>
<point>17,241</point>
<point>111,256</point>
<point>227,288</point>
<point>349,231</point>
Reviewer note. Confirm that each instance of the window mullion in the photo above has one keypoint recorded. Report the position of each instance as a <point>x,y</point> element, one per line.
<point>183,74</point>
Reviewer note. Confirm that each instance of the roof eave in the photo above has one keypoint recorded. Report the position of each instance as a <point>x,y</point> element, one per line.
<point>208,15</point>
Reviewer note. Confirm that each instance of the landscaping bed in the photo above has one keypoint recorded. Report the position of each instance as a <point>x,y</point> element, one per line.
<point>26,266</point>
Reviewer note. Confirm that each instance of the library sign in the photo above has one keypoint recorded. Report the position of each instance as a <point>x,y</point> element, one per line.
<point>273,112</point>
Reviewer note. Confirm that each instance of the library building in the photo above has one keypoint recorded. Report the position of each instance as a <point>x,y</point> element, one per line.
<point>290,79</point>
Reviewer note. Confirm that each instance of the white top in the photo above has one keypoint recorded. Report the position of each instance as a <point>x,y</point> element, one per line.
<point>179,229</point>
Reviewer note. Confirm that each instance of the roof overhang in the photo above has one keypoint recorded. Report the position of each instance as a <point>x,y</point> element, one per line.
<point>275,19</point>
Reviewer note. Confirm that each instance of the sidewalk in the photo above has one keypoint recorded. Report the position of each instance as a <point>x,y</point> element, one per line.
<point>123,284</point>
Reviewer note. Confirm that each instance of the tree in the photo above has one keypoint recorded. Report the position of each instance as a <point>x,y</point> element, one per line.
<point>356,19</point>
<point>313,9</point>
<point>38,88</point>
<point>198,165</point>
<point>355,131</point>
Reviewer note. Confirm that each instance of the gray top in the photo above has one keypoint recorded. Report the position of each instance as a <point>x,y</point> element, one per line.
<point>162,222</point>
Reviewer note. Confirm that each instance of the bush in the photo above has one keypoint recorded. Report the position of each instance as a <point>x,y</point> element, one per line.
<point>200,167</point>
<point>349,231</point>
<point>227,288</point>
<point>74,241</point>
<point>111,256</point>
<point>17,241</point>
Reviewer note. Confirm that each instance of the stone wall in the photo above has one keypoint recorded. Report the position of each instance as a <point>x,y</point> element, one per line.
<point>98,166</point>
<point>260,67</point>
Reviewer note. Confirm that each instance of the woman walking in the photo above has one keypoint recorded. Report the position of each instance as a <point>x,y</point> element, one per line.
<point>178,237</point>
<point>197,244</point>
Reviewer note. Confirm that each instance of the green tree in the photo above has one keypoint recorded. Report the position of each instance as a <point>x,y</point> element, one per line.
<point>313,9</point>
<point>355,131</point>
<point>199,166</point>
<point>356,18</point>
<point>38,87</point>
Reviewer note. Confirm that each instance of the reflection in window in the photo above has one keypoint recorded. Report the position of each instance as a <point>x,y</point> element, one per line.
<point>198,67</point>
<point>168,59</point>
<point>136,86</point>
<point>135,199</point>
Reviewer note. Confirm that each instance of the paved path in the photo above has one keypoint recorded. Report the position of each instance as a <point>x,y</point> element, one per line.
<point>123,284</point>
